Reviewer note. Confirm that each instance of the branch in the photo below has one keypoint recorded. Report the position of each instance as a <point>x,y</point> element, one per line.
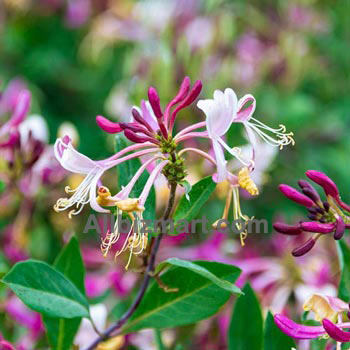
<point>150,268</point>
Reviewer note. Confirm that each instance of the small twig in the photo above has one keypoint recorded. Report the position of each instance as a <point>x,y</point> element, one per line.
<point>149,270</point>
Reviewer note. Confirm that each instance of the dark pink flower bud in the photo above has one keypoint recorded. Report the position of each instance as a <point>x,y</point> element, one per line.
<point>340,228</point>
<point>309,190</point>
<point>138,118</point>
<point>312,226</point>
<point>304,248</point>
<point>135,127</point>
<point>154,101</point>
<point>335,332</point>
<point>107,125</point>
<point>296,196</point>
<point>323,180</point>
<point>193,94</point>
<point>163,129</point>
<point>287,229</point>
<point>133,137</point>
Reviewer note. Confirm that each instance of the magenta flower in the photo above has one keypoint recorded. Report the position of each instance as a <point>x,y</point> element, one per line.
<point>330,216</point>
<point>327,310</point>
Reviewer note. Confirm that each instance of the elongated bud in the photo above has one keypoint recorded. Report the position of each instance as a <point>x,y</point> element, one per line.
<point>326,206</point>
<point>107,125</point>
<point>309,190</point>
<point>304,248</point>
<point>132,136</point>
<point>340,228</point>
<point>296,196</point>
<point>135,127</point>
<point>323,180</point>
<point>138,118</point>
<point>335,332</point>
<point>312,226</point>
<point>285,229</point>
<point>154,101</point>
<point>193,94</point>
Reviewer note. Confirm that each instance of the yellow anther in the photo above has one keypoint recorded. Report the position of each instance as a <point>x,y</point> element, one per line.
<point>115,343</point>
<point>103,196</point>
<point>245,181</point>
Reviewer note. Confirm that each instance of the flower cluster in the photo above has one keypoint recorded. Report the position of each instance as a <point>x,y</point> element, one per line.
<point>329,216</point>
<point>151,129</point>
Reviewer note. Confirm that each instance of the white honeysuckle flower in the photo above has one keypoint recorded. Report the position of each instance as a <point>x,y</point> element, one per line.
<point>224,110</point>
<point>78,163</point>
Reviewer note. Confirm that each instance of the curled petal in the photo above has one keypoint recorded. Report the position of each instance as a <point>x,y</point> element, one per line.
<point>297,331</point>
<point>71,159</point>
<point>335,332</point>
<point>244,113</point>
<point>287,229</point>
<point>296,196</point>
<point>312,226</point>
<point>107,125</point>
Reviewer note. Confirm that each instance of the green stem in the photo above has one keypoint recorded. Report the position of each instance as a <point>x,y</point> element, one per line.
<point>158,339</point>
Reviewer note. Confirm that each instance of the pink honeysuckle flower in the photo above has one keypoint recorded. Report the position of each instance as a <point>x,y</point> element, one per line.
<point>330,216</point>
<point>325,308</point>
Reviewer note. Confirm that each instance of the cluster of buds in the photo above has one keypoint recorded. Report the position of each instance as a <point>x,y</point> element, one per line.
<point>150,123</point>
<point>329,216</point>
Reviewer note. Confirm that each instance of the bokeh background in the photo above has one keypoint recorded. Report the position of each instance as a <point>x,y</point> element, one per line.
<point>81,58</point>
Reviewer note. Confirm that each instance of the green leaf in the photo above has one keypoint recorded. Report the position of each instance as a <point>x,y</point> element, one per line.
<point>192,266</point>
<point>197,297</point>
<point>46,290</point>
<point>344,259</point>
<point>61,332</point>
<point>246,327</point>
<point>274,339</point>
<point>127,170</point>
<point>200,193</point>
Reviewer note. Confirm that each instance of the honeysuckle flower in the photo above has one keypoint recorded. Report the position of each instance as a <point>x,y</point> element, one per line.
<point>330,216</point>
<point>73,161</point>
<point>328,311</point>
<point>224,110</point>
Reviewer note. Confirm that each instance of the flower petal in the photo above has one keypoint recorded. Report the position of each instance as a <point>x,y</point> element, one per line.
<point>71,159</point>
<point>296,330</point>
<point>220,161</point>
<point>219,112</point>
<point>245,112</point>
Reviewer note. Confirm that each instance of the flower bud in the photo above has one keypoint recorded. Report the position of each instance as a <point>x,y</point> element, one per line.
<point>154,101</point>
<point>304,248</point>
<point>335,332</point>
<point>107,125</point>
<point>317,227</point>
<point>296,196</point>
<point>287,229</point>
<point>323,180</point>
<point>340,228</point>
